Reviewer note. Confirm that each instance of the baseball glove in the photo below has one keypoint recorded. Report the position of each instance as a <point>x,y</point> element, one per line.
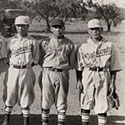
<point>113,100</point>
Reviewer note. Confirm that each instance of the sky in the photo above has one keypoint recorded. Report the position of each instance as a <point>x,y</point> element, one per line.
<point>119,3</point>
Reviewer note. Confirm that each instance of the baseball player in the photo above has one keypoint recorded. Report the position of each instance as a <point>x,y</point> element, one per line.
<point>23,55</point>
<point>98,64</point>
<point>58,58</point>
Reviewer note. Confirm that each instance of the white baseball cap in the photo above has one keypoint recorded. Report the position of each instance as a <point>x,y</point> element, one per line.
<point>22,20</point>
<point>94,23</point>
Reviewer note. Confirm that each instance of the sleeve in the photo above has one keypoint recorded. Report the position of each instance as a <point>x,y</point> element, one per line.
<point>41,53</point>
<point>79,60</point>
<point>3,48</point>
<point>72,58</point>
<point>115,64</point>
<point>36,53</point>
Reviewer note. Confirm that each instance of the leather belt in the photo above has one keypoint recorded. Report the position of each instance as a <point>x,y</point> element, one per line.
<point>54,69</point>
<point>22,66</point>
<point>19,66</point>
<point>97,69</point>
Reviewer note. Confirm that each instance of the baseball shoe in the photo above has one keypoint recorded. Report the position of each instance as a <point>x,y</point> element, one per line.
<point>5,123</point>
<point>44,124</point>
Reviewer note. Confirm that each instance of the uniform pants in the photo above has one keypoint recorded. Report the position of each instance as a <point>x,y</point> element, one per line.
<point>55,89</point>
<point>20,87</point>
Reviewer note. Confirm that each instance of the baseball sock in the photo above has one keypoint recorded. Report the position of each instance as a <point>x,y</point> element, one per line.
<point>85,116</point>
<point>26,112</point>
<point>102,119</point>
<point>26,120</point>
<point>8,110</point>
<point>45,116</point>
<point>61,118</point>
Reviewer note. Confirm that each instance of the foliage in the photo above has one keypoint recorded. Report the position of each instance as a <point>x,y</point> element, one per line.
<point>66,9</point>
<point>110,13</point>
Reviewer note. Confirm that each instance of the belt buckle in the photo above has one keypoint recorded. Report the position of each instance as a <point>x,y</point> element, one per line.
<point>97,69</point>
<point>56,70</point>
<point>21,66</point>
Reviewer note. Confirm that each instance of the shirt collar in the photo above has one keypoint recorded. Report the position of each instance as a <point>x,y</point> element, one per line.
<point>21,38</point>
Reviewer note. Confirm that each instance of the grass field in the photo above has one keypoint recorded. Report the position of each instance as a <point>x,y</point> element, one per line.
<point>77,32</point>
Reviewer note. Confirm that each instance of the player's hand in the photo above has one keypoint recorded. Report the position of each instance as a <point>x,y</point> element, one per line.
<point>79,86</point>
<point>112,87</point>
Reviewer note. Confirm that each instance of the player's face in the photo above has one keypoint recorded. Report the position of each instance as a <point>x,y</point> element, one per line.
<point>22,29</point>
<point>95,33</point>
<point>57,30</point>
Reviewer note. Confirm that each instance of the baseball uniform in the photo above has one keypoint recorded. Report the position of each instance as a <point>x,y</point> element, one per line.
<point>58,59</point>
<point>23,53</point>
<point>21,87</point>
<point>97,65</point>
<point>96,60</point>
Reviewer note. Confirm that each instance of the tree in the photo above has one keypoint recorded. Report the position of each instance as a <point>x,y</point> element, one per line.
<point>50,9</point>
<point>111,14</point>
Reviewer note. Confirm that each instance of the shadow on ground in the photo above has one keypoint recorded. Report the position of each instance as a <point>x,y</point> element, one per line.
<point>71,120</point>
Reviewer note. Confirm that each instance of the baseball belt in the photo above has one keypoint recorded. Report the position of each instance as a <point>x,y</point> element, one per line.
<point>21,66</point>
<point>54,69</point>
<point>98,69</point>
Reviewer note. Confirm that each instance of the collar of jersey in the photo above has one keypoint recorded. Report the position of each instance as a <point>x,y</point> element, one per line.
<point>22,37</point>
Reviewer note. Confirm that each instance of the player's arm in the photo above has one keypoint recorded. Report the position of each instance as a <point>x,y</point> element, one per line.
<point>35,53</point>
<point>8,51</point>
<point>79,84</point>
<point>72,58</point>
<point>79,70</point>
<point>41,52</point>
<point>112,85</point>
<point>114,68</point>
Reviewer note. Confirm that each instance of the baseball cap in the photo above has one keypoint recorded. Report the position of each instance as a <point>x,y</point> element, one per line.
<point>22,20</point>
<point>57,22</point>
<point>94,23</point>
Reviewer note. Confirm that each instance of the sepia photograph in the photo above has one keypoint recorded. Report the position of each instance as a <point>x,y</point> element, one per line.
<point>62,62</point>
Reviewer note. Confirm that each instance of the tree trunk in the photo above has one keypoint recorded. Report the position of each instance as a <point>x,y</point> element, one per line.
<point>109,23</point>
<point>47,24</point>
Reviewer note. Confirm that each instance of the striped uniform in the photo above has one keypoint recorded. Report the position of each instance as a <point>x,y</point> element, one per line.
<point>102,56</point>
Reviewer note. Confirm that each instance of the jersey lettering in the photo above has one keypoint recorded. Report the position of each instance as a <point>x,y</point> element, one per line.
<point>90,58</point>
<point>22,50</point>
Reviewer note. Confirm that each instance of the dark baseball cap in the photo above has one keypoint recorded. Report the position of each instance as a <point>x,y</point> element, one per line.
<point>57,22</point>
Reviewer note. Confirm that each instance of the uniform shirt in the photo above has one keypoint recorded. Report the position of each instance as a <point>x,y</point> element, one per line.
<point>57,53</point>
<point>3,48</point>
<point>23,51</point>
<point>102,54</point>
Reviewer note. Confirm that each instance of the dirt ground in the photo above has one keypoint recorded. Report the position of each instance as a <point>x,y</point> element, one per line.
<point>116,117</point>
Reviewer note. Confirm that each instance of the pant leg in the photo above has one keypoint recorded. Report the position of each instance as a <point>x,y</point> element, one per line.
<point>48,90</point>
<point>101,101</point>
<point>26,87</point>
<point>12,87</point>
<point>61,92</point>
<point>48,94</point>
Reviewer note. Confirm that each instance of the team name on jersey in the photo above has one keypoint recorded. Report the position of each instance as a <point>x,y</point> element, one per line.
<point>22,50</point>
<point>100,52</point>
